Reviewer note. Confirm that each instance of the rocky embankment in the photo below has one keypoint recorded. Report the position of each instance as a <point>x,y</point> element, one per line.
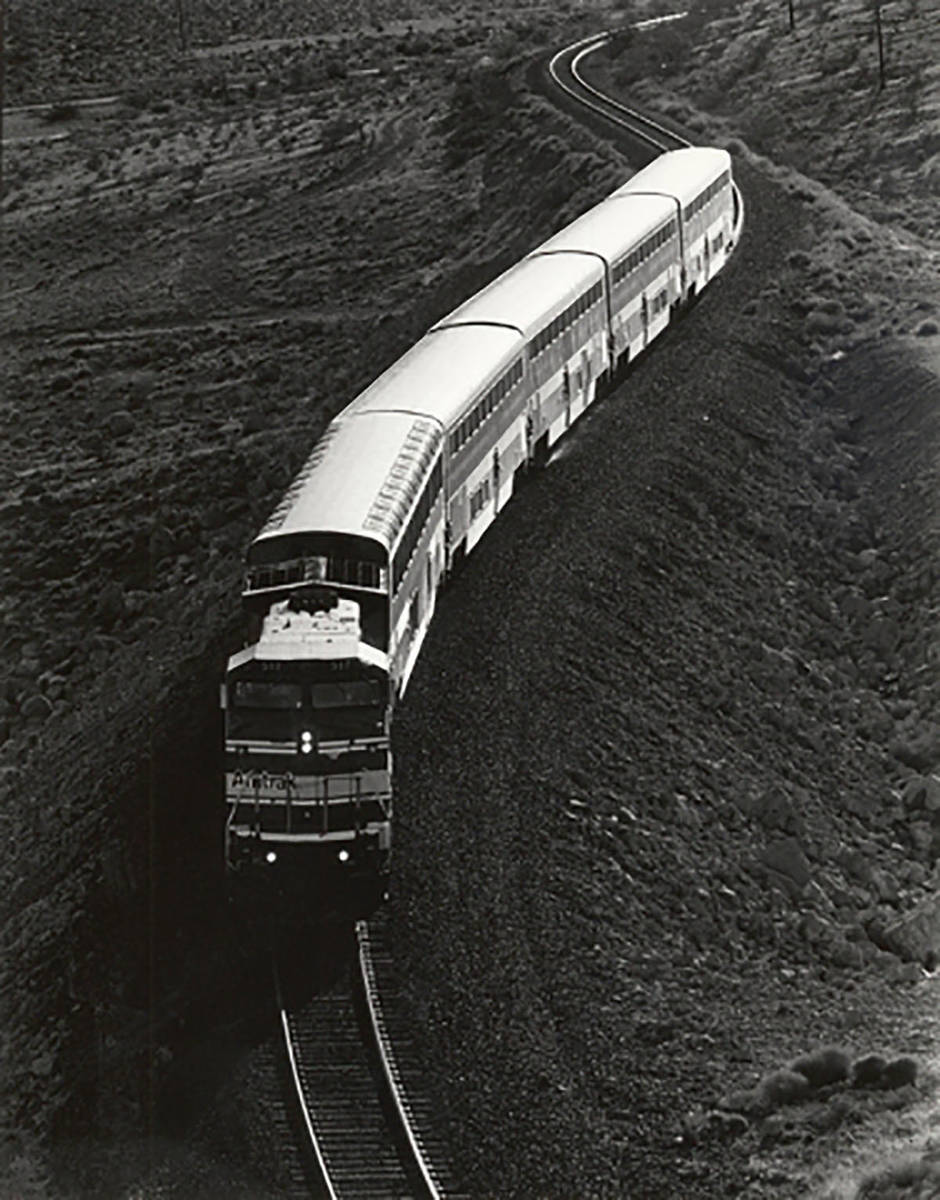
<point>668,818</point>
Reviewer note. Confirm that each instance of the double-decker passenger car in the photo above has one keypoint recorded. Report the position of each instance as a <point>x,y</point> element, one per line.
<point>403,484</point>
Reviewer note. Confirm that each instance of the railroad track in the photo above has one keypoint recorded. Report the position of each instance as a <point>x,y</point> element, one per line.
<point>565,72</point>
<point>354,1084</point>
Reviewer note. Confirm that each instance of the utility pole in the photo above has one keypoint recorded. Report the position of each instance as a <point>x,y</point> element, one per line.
<point>881,46</point>
<point>792,15</point>
<point>181,17</point>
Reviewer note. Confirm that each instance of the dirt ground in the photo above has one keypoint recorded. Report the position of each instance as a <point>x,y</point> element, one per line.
<point>661,837</point>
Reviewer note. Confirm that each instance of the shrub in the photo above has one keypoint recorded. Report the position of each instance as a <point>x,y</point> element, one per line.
<point>898,1073</point>
<point>867,1071</point>
<point>901,1179</point>
<point>63,110</point>
<point>782,1087</point>
<point>821,1067</point>
<point>928,328</point>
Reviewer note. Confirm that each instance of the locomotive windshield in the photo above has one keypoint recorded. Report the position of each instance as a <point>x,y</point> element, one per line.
<point>279,711</point>
<point>268,711</point>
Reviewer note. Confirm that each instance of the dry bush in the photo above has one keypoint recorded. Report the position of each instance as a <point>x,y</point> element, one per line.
<point>898,1073</point>
<point>867,1071</point>
<point>821,1067</point>
<point>782,1087</point>
<point>910,1179</point>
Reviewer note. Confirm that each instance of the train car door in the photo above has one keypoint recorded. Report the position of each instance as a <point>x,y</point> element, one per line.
<point>645,310</point>
<point>566,392</point>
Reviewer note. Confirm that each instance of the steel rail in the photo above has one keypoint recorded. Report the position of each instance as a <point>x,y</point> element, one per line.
<point>345,1080</point>
<point>640,118</point>
<point>298,1090</point>
<point>638,125</point>
<point>386,1054</point>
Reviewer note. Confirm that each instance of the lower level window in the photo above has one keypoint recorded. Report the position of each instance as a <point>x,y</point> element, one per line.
<point>479,499</point>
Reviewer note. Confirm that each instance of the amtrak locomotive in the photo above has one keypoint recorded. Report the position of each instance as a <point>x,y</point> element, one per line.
<point>344,577</point>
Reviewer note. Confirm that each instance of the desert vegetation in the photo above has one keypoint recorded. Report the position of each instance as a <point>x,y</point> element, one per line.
<point>687,820</point>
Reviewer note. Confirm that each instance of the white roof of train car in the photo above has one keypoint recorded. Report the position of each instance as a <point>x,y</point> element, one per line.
<point>679,173</point>
<point>530,294</point>
<point>613,226</point>
<point>361,478</point>
<point>441,374</point>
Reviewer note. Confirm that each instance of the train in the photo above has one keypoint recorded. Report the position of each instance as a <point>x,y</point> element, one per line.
<point>342,582</point>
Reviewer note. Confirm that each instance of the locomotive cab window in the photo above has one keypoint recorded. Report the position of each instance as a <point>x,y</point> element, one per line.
<point>354,693</point>
<point>344,710</point>
<point>266,711</point>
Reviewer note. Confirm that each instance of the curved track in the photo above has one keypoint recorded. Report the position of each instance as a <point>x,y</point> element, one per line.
<point>365,1129</point>
<point>564,69</point>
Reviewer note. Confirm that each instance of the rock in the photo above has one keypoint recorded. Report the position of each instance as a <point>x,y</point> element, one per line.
<point>862,804</point>
<point>915,873</point>
<point>920,750</point>
<point>815,929</point>
<point>786,858</point>
<point>882,635</point>
<point>883,959</point>
<point>916,936</point>
<point>845,954</point>
<point>54,687</point>
<point>914,792</point>
<point>855,862</point>
<point>865,559</point>
<point>773,809</point>
<point>921,835</point>
<point>120,423</point>
<point>885,885</point>
<point>42,1063</point>
<point>161,543</point>
<point>111,608</point>
<point>814,893</point>
<point>36,708</point>
<point>905,972</point>
<point>818,604</point>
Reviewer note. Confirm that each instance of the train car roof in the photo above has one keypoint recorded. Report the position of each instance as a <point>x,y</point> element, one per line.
<point>679,173</point>
<point>613,226</point>
<point>361,478</point>
<point>440,375</point>
<point>529,294</point>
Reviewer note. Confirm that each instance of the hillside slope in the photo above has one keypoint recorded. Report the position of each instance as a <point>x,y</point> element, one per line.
<point>657,810</point>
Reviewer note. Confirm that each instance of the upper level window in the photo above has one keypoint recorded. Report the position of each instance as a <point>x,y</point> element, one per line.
<point>317,568</point>
<point>487,404</point>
